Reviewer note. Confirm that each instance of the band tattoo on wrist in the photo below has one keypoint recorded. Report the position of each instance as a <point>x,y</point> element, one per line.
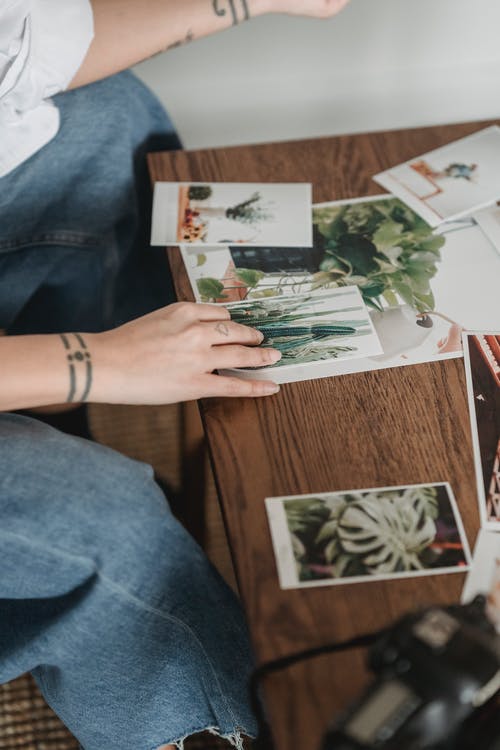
<point>236,8</point>
<point>80,366</point>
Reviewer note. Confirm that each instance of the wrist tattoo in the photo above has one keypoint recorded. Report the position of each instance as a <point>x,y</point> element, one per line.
<point>238,8</point>
<point>80,366</point>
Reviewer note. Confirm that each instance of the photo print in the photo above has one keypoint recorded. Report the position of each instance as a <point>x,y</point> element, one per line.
<point>452,181</point>
<point>489,221</point>
<point>219,213</point>
<point>482,367</point>
<point>367,535</point>
<point>484,575</point>
<point>422,287</point>
<point>312,331</point>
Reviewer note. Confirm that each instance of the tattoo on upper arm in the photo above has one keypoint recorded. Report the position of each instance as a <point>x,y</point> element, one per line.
<point>80,366</point>
<point>188,38</point>
<point>239,9</point>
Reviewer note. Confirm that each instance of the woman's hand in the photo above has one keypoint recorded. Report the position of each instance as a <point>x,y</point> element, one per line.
<point>170,355</point>
<point>313,8</point>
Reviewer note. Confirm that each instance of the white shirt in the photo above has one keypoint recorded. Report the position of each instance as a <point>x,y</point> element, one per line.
<point>42,45</point>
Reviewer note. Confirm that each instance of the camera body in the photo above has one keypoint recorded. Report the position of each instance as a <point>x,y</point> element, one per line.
<point>437,686</point>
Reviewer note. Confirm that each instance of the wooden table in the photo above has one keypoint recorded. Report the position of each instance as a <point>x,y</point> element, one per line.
<point>391,427</point>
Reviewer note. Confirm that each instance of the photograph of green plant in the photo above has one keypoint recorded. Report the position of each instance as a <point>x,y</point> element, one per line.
<point>378,533</point>
<point>421,287</point>
<point>379,245</point>
<point>313,327</point>
<point>383,247</point>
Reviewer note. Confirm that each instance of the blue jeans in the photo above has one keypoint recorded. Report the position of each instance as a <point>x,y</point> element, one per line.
<point>132,636</point>
<point>74,218</point>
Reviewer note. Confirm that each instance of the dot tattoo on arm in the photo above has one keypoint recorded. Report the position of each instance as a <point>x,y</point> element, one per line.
<point>80,366</point>
<point>236,8</point>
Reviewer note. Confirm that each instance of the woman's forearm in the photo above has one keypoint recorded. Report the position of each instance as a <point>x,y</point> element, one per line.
<point>129,31</point>
<point>164,357</point>
<point>44,370</point>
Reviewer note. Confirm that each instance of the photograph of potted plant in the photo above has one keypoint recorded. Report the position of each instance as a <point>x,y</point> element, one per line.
<point>422,286</point>
<point>219,213</point>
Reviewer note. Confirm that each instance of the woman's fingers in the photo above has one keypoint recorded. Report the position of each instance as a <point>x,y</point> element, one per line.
<point>224,332</point>
<point>227,357</point>
<point>211,312</point>
<point>192,312</point>
<point>228,387</point>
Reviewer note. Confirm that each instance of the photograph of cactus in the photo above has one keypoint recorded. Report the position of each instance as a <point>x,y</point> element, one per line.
<point>365,535</point>
<point>452,181</point>
<point>241,213</point>
<point>421,286</point>
<point>312,331</point>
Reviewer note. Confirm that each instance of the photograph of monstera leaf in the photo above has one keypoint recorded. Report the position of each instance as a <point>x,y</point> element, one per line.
<point>348,537</point>
<point>422,286</point>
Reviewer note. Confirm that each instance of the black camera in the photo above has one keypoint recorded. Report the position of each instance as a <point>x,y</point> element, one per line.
<point>437,686</point>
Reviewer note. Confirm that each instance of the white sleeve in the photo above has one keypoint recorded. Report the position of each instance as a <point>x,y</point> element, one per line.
<point>42,45</point>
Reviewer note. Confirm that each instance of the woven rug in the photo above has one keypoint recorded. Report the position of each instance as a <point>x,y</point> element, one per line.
<point>149,434</point>
<point>27,722</point>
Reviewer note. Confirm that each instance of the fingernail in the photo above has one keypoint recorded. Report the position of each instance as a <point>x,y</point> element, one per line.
<point>270,388</point>
<point>274,355</point>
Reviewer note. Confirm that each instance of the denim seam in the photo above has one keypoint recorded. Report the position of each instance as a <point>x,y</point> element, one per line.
<point>171,618</point>
<point>52,550</point>
<point>72,239</point>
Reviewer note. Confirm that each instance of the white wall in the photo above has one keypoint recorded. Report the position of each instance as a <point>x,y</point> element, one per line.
<point>379,64</point>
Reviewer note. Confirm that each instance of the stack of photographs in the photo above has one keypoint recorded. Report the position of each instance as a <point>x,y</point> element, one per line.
<point>419,287</point>
<point>447,187</point>
<point>405,277</point>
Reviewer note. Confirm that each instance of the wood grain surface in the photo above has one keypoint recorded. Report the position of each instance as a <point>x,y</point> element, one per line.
<point>392,427</point>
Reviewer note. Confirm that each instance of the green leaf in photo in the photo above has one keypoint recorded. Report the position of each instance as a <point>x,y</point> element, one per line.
<point>210,289</point>
<point>425,302</point>
<point>390,298</point>
<point>263,293</point>
<point>404,291</point>
<point>199,192</point>
<point>249,276</point>
<point>433,244</point>
<point>387,235</point>
<point>328,531</point>
<point>201,259</point>
<point>359,252</point>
